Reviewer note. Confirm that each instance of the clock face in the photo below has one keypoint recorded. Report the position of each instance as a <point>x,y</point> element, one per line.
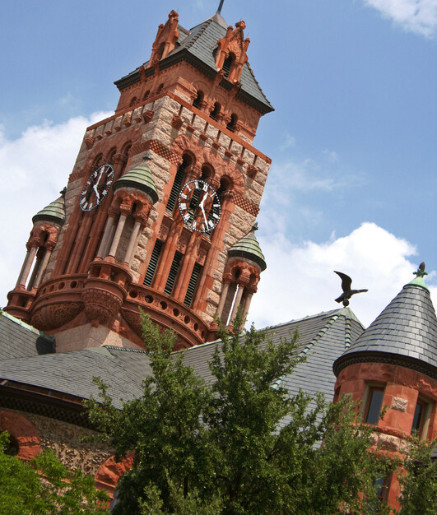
<point>199,206</point>
<point>96,188</point>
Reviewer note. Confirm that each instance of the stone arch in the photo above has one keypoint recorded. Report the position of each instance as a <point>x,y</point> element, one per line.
<point>207,155</point>
<point>111,471</point>
<point>23,431</point>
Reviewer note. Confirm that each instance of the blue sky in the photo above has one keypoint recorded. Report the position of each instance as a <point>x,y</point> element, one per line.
<point>353,136</point>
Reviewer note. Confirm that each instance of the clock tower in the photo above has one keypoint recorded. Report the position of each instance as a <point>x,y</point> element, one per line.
<point>159,209</point>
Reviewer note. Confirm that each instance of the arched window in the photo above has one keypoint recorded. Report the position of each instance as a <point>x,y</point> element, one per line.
<point>215,112</point>
<point>111,155</point>
<point>146,94</point>
<point>177,184</point>
<point>125,153</point>
<point>232,122</point>
<point>133,102</point>
<point>160,88</point>
<point>198,100</point>
<point>227,65</point>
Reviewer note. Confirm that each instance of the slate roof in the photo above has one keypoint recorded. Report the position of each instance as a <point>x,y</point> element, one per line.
<point>122,370</point>
<point>321,337</point>
<point>406,329</point>
<point>197,46</point>
<point>20,340</point>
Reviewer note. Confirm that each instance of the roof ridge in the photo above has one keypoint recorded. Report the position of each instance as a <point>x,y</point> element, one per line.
<point>124,349</point>
<point>322,331</point>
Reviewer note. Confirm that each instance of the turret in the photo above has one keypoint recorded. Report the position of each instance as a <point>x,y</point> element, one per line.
<point>392,368</point>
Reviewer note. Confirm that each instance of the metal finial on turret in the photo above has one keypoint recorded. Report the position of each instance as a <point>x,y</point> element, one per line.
<point>63,191</point>
<point>421,270</point>
<point>219,10</point>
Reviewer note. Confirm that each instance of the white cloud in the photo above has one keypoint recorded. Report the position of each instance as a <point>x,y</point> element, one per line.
<point>419,16</point>
<point>299,280</point>
<point>33,170</point>
<point>290,141</point>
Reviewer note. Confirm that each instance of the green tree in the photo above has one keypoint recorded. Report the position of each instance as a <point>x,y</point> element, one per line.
<point>240,443</point>
<point>419,479</point>
<point>44,485</point>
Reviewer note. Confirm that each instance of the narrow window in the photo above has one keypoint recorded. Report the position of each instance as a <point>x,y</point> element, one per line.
<point>154,258</point>
<point>227,65</point>
<point>192,285</point>
<point>374,403</point>
<point>146,94</point>
<point>133,101</point>
<point>421,416</point>
<point>215,112</point>
<point>198,100</point>
<point>173,273</point>
<point>177,185</point>
<point>232,122</point>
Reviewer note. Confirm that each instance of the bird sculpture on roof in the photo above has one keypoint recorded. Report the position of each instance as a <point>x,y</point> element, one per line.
<point>346,284</point>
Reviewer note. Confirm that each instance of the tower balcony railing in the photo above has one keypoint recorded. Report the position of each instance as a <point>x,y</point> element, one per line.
<point>167,312</point>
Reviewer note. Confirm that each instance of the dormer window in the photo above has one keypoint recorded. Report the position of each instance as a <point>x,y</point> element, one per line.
<point>227,65</point>
<point>215,112</point>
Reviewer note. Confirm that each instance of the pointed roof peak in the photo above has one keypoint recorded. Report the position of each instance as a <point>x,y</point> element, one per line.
<point>404,333</point>
<point>419,279</point>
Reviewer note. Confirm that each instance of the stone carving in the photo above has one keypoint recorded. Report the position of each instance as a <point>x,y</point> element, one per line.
<point>52,316</point>
<point>399,404</point>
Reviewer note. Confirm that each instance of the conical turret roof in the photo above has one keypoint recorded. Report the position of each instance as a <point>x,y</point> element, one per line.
<point>140,178</point>
<point>405,333</point>
<point>248,247</point>
<point>54,212</point>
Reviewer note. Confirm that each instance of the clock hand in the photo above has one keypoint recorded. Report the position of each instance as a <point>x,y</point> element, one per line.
<point>97,183</point>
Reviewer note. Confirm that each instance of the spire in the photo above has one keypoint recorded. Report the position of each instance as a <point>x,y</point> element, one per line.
<point>405,332</point>
<point>219,10</point>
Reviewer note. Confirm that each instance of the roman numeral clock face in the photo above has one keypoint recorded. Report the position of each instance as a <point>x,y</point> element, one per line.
<point>96,188</point>
<point>199,206</point>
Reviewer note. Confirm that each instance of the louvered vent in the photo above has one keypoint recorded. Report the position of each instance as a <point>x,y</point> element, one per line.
<point>192,285</point>
<point>176,186</point>
<point>173,273</point>
<point>153,263</point>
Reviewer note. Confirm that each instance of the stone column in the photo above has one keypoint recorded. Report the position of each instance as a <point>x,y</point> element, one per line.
<point>117,235</point>
<point>27,264</point>
<point>132,242</point>
<point>224,294</point>
<point>107,234</point>
<point>43,265</point>
<point>188,263</point>
<point>237,301</point>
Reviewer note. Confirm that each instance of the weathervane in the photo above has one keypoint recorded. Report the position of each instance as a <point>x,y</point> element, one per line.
<point>346,283</point>
<point>421,270</point>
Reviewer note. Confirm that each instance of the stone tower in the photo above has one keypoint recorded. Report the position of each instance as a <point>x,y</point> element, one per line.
<point>160,193</point>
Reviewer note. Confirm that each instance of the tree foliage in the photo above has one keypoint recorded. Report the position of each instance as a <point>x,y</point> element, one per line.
<point>44,485</point>
<point>239,443</point>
